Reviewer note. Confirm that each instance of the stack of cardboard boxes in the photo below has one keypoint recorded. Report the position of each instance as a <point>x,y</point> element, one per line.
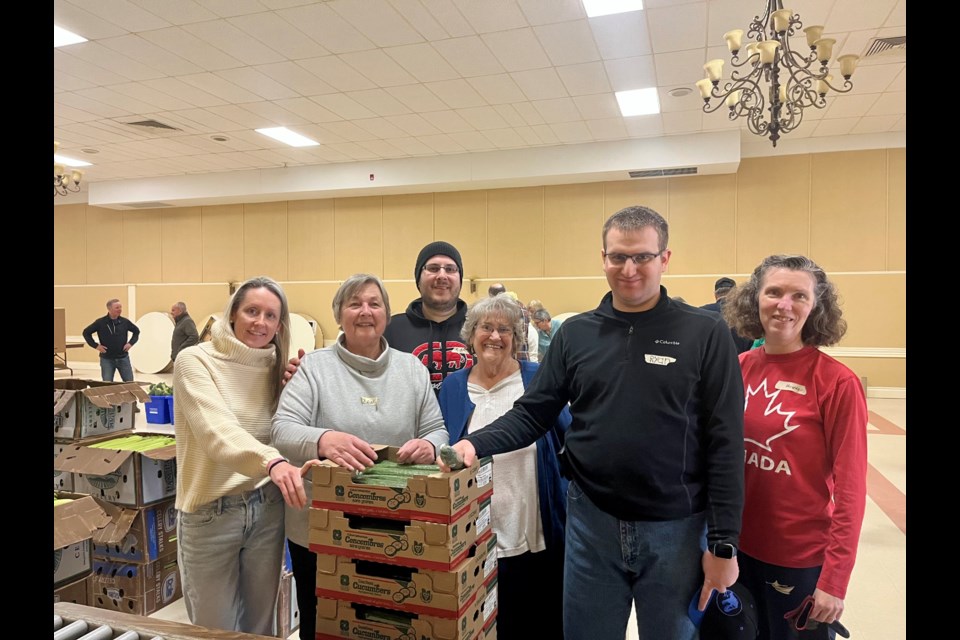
<point>417,561</point>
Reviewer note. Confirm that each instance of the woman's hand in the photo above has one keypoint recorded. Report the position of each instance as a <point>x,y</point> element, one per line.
<point>826,608</point>
<point>347,451</point>
<point>416,451</point>
<point>290,481</point>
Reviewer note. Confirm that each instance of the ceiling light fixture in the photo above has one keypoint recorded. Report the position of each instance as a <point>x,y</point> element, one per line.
<point>62,37</point>
<point>595,8</point>
<point>64,182</point>
<point>772,78</point>
<point>287,136</point>
<point>638,102</point>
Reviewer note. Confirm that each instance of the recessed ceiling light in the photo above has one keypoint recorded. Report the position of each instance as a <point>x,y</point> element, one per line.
<point>286,136</point>
<point>638,102</point>
<point>62,37</point>
<point>680,92</point>
<point>70,162</point>
<point>90,150</point>
<point>219,138</point>
<point>596,8</point>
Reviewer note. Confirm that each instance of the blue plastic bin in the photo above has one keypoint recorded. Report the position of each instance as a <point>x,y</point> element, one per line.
<point>169,408</point>
<point>158,410</point>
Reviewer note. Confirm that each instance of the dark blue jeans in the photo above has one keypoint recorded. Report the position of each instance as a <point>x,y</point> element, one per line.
<point>110,365</point>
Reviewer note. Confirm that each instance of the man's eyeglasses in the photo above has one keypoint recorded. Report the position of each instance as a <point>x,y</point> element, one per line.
<point>501,329</point>
<point>435,268</point>
<point>620,259</point>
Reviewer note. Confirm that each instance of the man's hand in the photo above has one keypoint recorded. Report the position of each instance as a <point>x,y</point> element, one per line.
<point>718,574</point>
<point>466,451</point>
<point>416,451</point>
<point>127,346</point>
<point>347,451</point>
<point>101,348</point>
<point>292,367</point>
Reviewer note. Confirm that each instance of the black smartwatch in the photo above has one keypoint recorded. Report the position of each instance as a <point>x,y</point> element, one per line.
<point>723,550</point>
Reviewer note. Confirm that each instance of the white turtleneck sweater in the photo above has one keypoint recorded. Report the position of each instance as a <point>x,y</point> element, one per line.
<point>385,401</point>
<point>222,413</point>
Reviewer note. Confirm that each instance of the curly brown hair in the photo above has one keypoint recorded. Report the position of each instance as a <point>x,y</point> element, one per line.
<point>825,325</point>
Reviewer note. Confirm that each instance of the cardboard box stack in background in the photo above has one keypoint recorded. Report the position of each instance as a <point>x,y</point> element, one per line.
<point>84,409</point>
<point>404,556</point>
<point>76,519</point>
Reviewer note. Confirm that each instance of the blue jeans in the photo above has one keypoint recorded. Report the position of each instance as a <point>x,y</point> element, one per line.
<point>610,562</point>
<point>230,553</point>
<point>109,365</point>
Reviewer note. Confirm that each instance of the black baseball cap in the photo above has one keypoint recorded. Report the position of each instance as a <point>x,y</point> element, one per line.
<point>724,283</point>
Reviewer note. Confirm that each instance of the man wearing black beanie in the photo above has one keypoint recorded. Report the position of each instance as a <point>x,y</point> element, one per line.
<point>430,326</point>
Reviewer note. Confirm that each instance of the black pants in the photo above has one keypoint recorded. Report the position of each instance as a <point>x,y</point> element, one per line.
<point>777,591</point>
<point>305,572</point>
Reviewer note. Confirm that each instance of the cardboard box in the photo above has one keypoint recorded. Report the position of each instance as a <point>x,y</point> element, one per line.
<point>129,478</point>
<point>438,497</point>
<point>85,408</point>
<point>137,535</point>
<point>288,613</point>
<point>138,589</point>
<point>75,592</point>
<point>437,593</point>
<point>74,524</point>
<point>337,619</point>
<point>412,543</point>
<point>62,480</point>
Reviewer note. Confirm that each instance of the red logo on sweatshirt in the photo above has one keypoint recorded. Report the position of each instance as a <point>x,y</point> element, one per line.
<point>443,359</point>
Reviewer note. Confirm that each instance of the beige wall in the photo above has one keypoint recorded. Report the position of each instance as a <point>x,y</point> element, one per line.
<point>541,242</point>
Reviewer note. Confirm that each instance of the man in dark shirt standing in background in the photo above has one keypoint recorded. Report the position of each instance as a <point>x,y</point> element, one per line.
<point>721,288</point>
<point>112,332</point>
<point>184,330</point>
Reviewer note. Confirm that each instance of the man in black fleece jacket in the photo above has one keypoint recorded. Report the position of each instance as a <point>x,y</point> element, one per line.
<point>116,335</point>
<point>655,450</point>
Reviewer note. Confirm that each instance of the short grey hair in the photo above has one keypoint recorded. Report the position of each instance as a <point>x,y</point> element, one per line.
<point>352,286</point>
<point>635,218</point>
<point>499,305</point>
<point>111,302</point>
<point>182,306</point>
<point>541,314</point>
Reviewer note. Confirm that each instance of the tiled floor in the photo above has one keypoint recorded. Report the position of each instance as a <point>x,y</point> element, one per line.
<point>876,599</point>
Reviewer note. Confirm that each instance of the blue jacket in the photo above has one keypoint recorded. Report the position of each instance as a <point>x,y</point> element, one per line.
<point>457,408</point>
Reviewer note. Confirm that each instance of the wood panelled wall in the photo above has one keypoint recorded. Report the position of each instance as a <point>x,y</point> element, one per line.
<point>846,210</point>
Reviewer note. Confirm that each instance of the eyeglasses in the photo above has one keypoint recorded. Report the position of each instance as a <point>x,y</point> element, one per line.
<point>620,259</point>
<point>435,268</point>
<point>502,330</point>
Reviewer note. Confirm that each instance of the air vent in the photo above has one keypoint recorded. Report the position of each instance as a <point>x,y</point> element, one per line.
<point>152,124</point>
<point>886,46</point>
<point>664,173</point>
<point>146,205</point>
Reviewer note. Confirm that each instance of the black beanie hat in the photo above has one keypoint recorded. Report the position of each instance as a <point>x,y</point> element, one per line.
<point>438,248</point>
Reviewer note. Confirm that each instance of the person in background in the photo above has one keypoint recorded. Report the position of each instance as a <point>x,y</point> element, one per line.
<point>655,450</point>
<point>528,349</point>
<point>528,506</point>
<point>231,484</point>
<point>547,327</point>
<point>184,330</point>
<point>721,288</point>
<point>805,432</point>
<point>496,289</point>
<point>115,335</point>
<point>343,398</point>
<point>430,326</point>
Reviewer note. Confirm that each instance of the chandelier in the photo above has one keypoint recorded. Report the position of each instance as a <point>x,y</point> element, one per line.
<point>63,182</point>
<point>772,84</point>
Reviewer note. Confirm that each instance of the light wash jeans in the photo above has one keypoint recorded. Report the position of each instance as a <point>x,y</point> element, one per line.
<point>109,365</point>
<point>230,553</point>
<point>610,562</point>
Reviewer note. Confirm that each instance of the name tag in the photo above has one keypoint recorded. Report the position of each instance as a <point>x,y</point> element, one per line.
<point>369,400</point>
<point>660,360</point>
<point>783,385</point>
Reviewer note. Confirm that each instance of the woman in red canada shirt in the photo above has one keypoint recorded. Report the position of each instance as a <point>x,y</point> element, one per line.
<point>805,442</point>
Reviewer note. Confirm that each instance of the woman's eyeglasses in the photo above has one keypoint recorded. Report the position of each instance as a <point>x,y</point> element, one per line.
<point>502,330</point>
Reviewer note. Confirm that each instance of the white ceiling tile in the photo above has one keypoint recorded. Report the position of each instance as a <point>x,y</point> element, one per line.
<point>572,132</point>
<point>899,83</point>
<point>874,78</point>
<point>344,106</point>
<point>228,8</point>
<point>96,133</point>
<point>456,94</point>
<point>84,23</point>
<point>678,28</point>
<point>481,118</point>
<point>644,126</point>
<point>420,19</point>
<point>892,103</point>
<point>411,146</point>
<point>492,15</point>
<point>597,107</point>
<point>422,62</point>
<point>631,73</point>
<point>442,143</point>
<point>414,125</point>
<point>690,102</point>
<point>72,114</point>
<point>472,141</point>
<point>327,28</point>
<point>898,16</point>
<point>855,42</point>
<point>309,110</point>
<point>901,124</point>
<point>548,11</point>
<point>529,113</point>
<point>123,13</point>
<point>849,106</point>
<point>725,15</point>
<point>517,49</point>
<point>136,48</point>
<point>584,79</point>
<point>557,110</point>
<point>528,135</point>
<point>275,114</point>
<point>546,134</point>
<point>177,11</point>
<point>378,21</point>
<point>336,73</point>
<point>116,99</point>
<point>383,149</point>
<point>296,78</point>
<point>568,42</point>
<point>449,17</point>
<point>449,121</point>
<point>233,41</point>
<point>106,58</point>
<point>210,84</point>
<point>156,99</point>
<point>834,127</point>
<point>84,70</point>
<point>875,124</point>
<point>258,83</point>
<point>118,133</point>
<point>266,159</point>
<point>682,121</point>
<point>497,89</point>
<point>505,138</point>
<point>189,47</point>
<point>243,116</point>
<point>607,129</point>
<point>470,56</point>
<point>540,84</point>
<point>325,135</point>
<point>679,67</point>
<point>511,115</point>
<point>353,150</point>
<point>69,82</point>
<point>416,97</point>
<point>378,67</point>
<point>379,102</point>
<point>380,128</point>
<point>852,15</point>
<point>91,106</point>
<point>278,35</point>
<point>621,35</point>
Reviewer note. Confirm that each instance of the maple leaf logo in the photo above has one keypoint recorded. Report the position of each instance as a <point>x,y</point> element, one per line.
<point>774,406</point>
